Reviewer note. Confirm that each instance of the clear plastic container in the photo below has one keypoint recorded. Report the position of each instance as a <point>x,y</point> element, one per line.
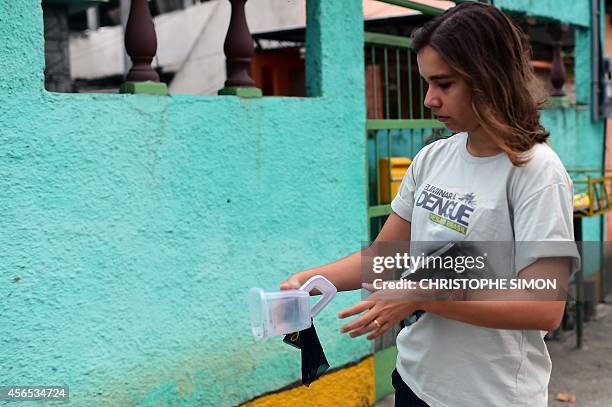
<point>284,312</point>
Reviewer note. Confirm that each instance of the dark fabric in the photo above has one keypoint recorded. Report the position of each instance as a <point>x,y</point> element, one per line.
<point>314,362</point>
<point>404,397</point>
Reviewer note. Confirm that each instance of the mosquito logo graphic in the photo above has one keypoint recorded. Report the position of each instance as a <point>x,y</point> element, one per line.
<point>469,199</point>
<point>446,208</point>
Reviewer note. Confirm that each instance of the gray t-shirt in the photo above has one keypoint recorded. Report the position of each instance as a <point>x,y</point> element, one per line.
<point>449,195</point>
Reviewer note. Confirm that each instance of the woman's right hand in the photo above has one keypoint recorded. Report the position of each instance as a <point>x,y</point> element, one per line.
<point>292,283</point>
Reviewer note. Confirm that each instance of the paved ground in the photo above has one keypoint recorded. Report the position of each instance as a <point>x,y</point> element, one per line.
<point>585,373</point>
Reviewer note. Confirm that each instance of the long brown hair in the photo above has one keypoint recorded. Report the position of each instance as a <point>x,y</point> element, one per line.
<point>492,54</point>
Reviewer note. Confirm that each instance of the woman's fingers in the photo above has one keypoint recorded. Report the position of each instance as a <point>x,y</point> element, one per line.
<point>365,327</point>
<point>355,309</point>
<point>362,324</point>
<point>358,323</point>
<point>384,327</point>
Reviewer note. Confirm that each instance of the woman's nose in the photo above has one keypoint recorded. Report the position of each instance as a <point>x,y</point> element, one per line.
<point>432,101</point>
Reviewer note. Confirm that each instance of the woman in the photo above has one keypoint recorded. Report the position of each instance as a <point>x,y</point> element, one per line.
<point>514,188</point>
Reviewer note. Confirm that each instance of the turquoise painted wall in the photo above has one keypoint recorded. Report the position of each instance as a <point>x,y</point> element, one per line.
<point>576,12</point>
<point>578,139</point>
<point>133,226</point>
<point>579,142</point>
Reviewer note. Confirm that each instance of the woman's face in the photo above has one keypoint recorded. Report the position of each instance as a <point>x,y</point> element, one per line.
<point>449,95</point>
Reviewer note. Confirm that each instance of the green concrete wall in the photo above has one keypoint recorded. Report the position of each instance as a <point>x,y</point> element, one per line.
<point>133,226</point>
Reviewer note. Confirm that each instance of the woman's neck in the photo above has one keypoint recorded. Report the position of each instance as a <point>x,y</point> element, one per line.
<point>479,144</point>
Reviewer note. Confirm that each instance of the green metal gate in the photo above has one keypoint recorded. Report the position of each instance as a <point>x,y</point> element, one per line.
<point>398,125</point>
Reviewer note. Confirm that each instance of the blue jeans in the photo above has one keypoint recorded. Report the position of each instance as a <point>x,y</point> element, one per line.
<point>404,397</point>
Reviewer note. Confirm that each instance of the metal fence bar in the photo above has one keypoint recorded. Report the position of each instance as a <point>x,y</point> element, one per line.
<point>387,40</point>
<point>386,59</point>
<point>379,210</point>
<point>373,53</point>
<point>390,182</point>
<point>422,99</point>
<point>377,175</point>
<point>411,115</point>
<point>404,124</point>
<point>425,9</point>
<point>398,83</point>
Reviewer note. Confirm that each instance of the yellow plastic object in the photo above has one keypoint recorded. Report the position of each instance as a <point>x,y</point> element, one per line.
<point>399,166</point>
<point>595,197</point>
<point>581,202</point>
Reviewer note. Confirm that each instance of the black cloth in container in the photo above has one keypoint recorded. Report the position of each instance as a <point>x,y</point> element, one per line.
<point>314,362</point>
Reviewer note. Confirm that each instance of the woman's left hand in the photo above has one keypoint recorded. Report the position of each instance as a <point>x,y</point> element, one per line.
<point>380,316</point>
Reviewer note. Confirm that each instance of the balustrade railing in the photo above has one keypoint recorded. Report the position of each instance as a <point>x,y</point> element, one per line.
<point>141,46</point>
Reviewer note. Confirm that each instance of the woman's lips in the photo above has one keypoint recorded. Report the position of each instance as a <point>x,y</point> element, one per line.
<point>443,118</point>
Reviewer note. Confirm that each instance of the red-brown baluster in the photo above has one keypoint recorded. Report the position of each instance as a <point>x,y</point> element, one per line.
<point>141,43</point>
<point>239,50</point>
<point>557,71</point>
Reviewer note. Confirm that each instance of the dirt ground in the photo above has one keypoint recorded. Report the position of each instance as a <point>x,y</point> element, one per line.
<point>585,373</point>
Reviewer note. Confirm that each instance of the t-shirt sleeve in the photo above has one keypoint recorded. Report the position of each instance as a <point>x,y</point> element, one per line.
<point>403,203</point>
<point>543,227</point>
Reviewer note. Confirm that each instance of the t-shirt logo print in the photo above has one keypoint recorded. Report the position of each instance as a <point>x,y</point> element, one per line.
<point>469,199</point>
<point>447,208</point>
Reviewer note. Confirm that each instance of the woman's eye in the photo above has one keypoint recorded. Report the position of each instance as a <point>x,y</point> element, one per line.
<point>445,85</point>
